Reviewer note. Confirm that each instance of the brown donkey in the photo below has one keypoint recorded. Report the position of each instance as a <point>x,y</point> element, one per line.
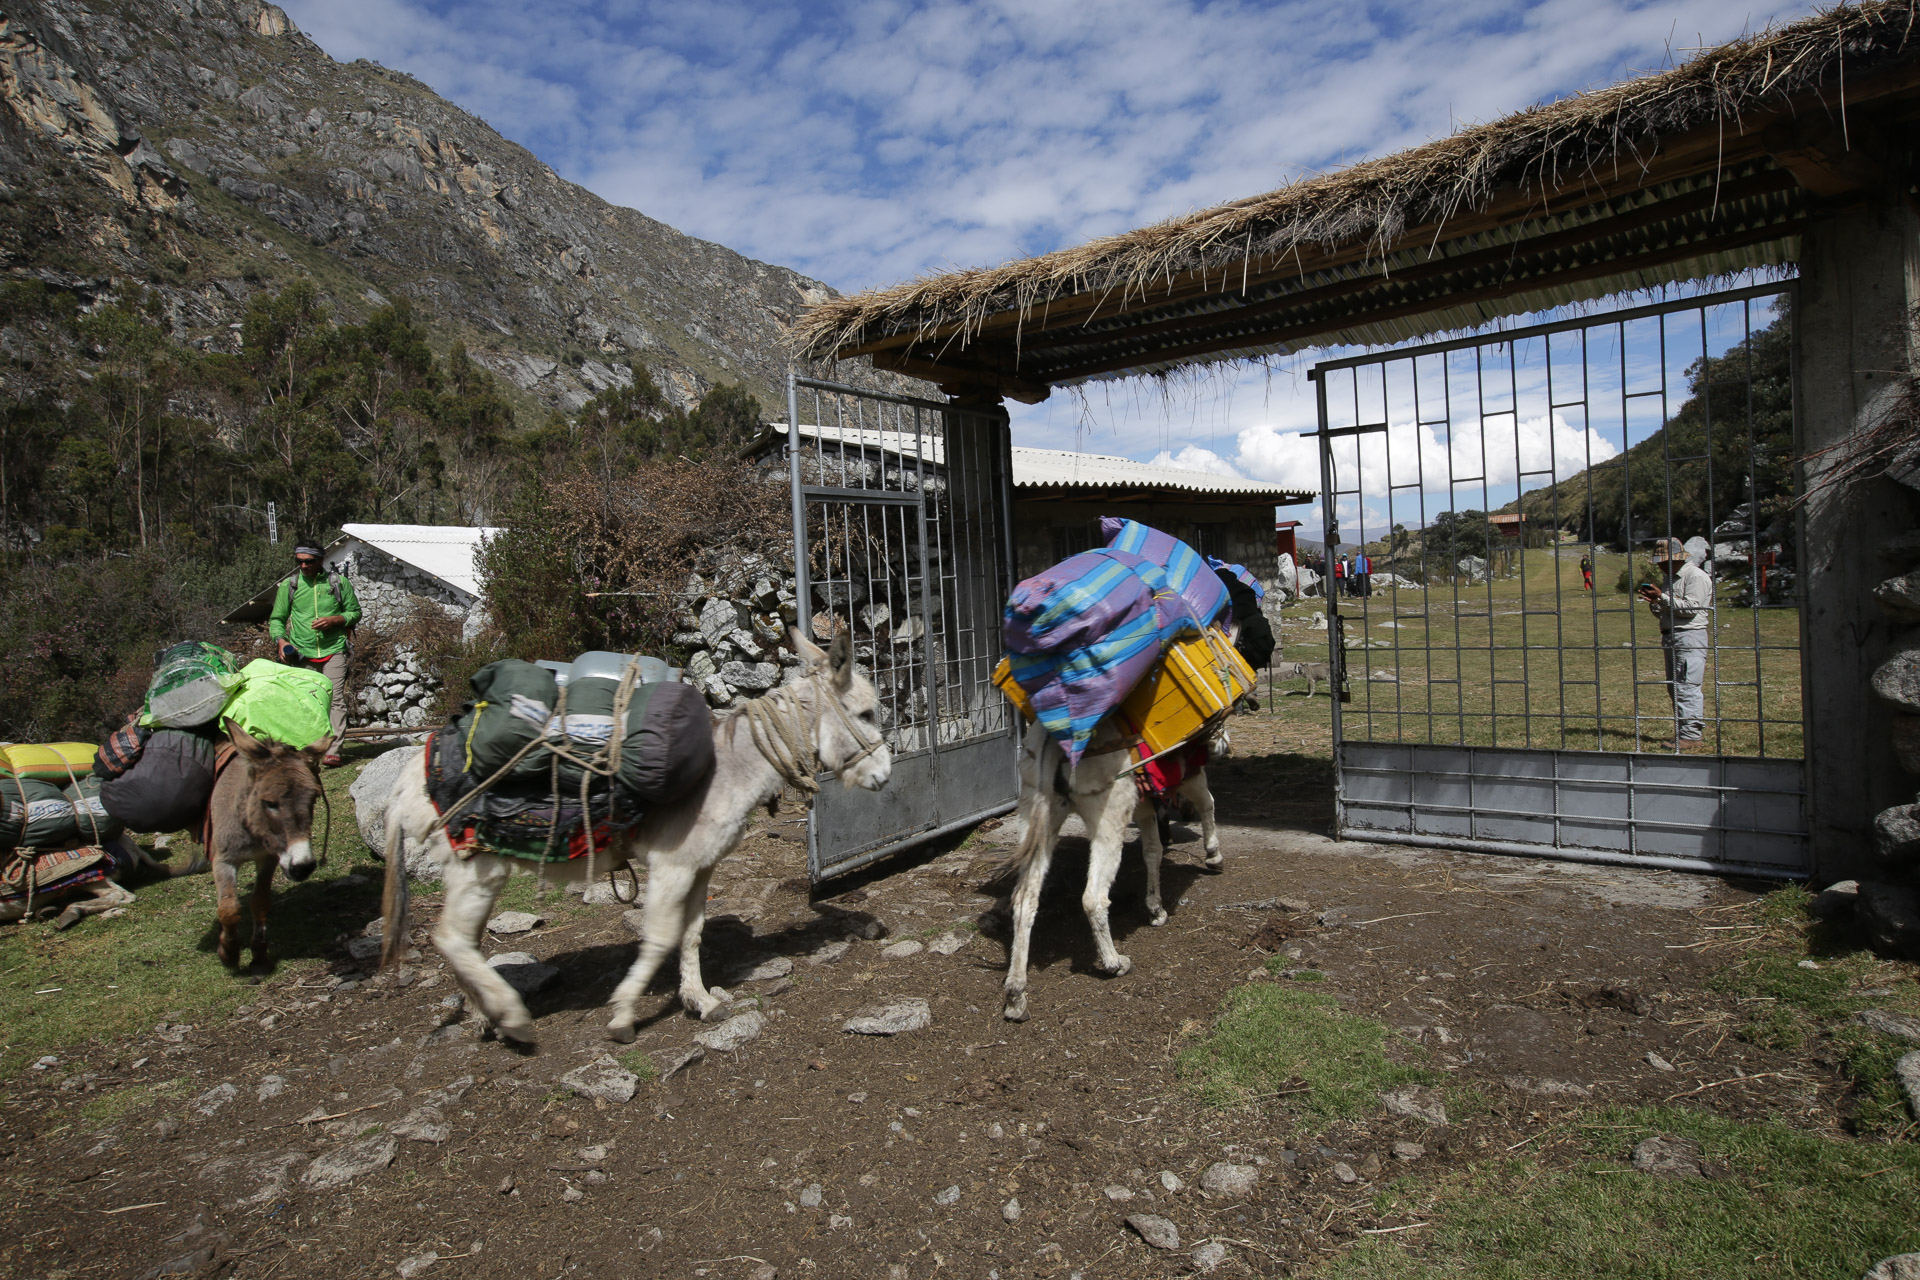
<point>261,812</point>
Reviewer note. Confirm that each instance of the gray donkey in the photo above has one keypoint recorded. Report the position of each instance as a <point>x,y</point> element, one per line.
<point>828,721</point>
<point>261,812</point>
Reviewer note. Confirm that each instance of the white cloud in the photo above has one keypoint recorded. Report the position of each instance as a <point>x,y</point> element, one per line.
<point>1192,457</point>
<point>869,141</point>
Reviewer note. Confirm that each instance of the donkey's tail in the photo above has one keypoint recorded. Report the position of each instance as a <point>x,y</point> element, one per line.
<point>394,896</point>
<point>1041,775</point>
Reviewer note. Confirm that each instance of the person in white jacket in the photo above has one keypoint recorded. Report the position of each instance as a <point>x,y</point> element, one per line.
<point>1684,611</point>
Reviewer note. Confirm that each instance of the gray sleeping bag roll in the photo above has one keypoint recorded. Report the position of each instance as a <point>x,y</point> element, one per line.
<point>168,787</point>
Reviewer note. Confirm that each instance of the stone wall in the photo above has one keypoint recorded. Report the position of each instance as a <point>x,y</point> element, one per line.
<point>401,691</point>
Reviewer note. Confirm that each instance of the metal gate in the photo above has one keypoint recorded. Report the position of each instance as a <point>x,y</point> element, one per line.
<point>1504,689</point>
<point>902,508</point>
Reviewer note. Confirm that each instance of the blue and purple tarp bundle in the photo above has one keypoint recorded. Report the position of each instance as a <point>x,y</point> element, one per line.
<point>1080,635</point>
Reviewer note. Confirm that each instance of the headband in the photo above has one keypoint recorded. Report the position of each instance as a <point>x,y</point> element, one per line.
<point>304,549</point>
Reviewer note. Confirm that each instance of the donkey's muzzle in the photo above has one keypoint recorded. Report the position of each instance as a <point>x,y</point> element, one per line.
<point>300,870</point>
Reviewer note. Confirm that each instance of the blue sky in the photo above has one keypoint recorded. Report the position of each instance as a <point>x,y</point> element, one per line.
<point>868,143</point>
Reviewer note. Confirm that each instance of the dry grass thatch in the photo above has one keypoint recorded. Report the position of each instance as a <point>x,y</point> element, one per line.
<point>1374,203</point>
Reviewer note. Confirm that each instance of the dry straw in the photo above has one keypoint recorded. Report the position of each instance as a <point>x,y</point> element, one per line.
<point>1372,204</point>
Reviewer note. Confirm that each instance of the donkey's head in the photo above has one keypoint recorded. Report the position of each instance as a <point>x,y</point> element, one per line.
<point>847,731</point>
<point>276,808</point>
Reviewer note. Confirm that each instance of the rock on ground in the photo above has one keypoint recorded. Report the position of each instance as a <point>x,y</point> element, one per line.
<point>1905,1266</point>
<point>1209,1256</point>
<point>1417,1104</point>
<point>602,1078</point>
<point>901,950</point>
<point>1223,1179</point>
<point>734,1032</point>
<point>671,1062</point>
<point>1890,1024</point>
<point>1889,916</point>
<point>514,922</point>
<point>947,943</point>
<point>1011,1210</point>
<point>1408,1151</point>
<point>948,1196</point>
<point>1667,1158</point>
<point>423,1124</point>
<point>1171,1181</point>
<point>892,1019</point>
<point>1835,900</point>
<point>214,1099</point>
<point>1907,1072</point>
<point>370,792</point>
<point>343,1164</point>
<point>524,973</point>
<point>1155,1230</point>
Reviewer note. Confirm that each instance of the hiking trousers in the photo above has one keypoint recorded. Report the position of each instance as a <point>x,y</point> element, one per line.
<point>1686,654</point>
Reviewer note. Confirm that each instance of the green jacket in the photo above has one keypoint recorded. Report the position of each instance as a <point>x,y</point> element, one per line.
<point>299,600</point>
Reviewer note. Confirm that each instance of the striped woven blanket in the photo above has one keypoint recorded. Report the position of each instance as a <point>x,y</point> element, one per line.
<point>1080,635</point>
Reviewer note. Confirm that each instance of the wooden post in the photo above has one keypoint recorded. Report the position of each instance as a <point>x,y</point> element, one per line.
<point>1859,281</point>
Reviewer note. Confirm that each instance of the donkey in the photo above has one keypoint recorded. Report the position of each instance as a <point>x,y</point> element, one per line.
<point>261,812</point>
<point>829,720</point>
<point>1105,798</point>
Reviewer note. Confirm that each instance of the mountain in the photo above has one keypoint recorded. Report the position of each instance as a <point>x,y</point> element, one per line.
<point>204,150</point>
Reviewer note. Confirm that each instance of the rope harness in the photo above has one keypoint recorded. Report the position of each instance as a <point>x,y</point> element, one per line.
<point>782,730</point>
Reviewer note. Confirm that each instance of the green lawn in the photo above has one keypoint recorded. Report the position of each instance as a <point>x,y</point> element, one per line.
<point>1534,660</point>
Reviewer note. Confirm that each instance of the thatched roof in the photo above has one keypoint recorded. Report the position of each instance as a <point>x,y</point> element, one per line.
<point>1712,167</point>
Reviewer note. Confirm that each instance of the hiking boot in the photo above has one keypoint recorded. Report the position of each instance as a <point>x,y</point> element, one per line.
<point>332,760</point>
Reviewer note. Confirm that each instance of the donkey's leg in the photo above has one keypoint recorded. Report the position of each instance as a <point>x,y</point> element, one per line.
<point>1105,813</point>
<point>226,883</point>
<point>1045,815</point>
<point>669,881</point>
<point>693,990</point>
<point>472,886</point>
<point>1146,816</point>
<point>1200,796</point>
<point>261,902</point>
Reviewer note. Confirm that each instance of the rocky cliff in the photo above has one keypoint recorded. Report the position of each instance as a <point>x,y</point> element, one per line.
<point>204,149</point>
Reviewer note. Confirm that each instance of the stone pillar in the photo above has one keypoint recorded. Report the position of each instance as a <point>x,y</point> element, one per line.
<point>1859,279</point>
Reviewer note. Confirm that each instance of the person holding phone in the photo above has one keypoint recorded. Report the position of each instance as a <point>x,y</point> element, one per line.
<point>1684,610</point>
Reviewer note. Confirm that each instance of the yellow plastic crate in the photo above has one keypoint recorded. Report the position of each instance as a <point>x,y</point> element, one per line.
<point>1195,683</point>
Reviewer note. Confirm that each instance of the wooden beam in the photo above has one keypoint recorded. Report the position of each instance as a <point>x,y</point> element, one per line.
<point>1437,302</point>
<point>955,377</point>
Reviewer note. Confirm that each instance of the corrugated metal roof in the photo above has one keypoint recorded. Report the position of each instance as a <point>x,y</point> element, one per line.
<point>445,551</point>
<point>1053,468</point>
<point>1064,469</point>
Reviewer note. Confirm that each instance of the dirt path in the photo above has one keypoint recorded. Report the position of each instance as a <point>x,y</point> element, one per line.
<point>818,1152</point>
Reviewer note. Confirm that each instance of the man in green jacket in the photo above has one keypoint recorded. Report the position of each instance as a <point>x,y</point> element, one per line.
<point>314,613</point>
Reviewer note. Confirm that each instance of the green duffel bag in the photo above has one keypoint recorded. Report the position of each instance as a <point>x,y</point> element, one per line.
<point>39,815</point>
<point>666,746</point>
<point>512,703</point>
<point>190,684</point>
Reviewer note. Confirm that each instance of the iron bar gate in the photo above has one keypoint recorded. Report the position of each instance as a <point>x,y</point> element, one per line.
<point>1508,690</point>
<point>902,514</point>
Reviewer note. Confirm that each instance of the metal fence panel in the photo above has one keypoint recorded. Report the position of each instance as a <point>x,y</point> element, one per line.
<point>1503,685</point>
<point>902,507</point>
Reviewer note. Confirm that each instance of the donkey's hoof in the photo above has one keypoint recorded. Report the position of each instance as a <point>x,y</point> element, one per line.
<point>1016,1009</point>
<point>1216,862</point>
<point>520,1033</point>
<point>1120,968</point>
<point>1157,917</point>
<point>622,1032</point>
<point>717,1011</point>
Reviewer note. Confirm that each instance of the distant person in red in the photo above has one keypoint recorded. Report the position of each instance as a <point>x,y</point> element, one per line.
<point>1586,571</point>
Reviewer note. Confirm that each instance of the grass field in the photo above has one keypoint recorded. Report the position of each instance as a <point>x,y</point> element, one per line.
<point>1534,660</point>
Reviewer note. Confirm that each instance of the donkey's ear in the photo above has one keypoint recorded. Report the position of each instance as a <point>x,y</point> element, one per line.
<point>315,756</point>
<point>248,745</point>
<point>840,660</point>
<point>814,655</point>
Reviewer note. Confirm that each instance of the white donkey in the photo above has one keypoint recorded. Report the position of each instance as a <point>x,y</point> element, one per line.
<point>1106,800</point>
<point>829,720</point>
